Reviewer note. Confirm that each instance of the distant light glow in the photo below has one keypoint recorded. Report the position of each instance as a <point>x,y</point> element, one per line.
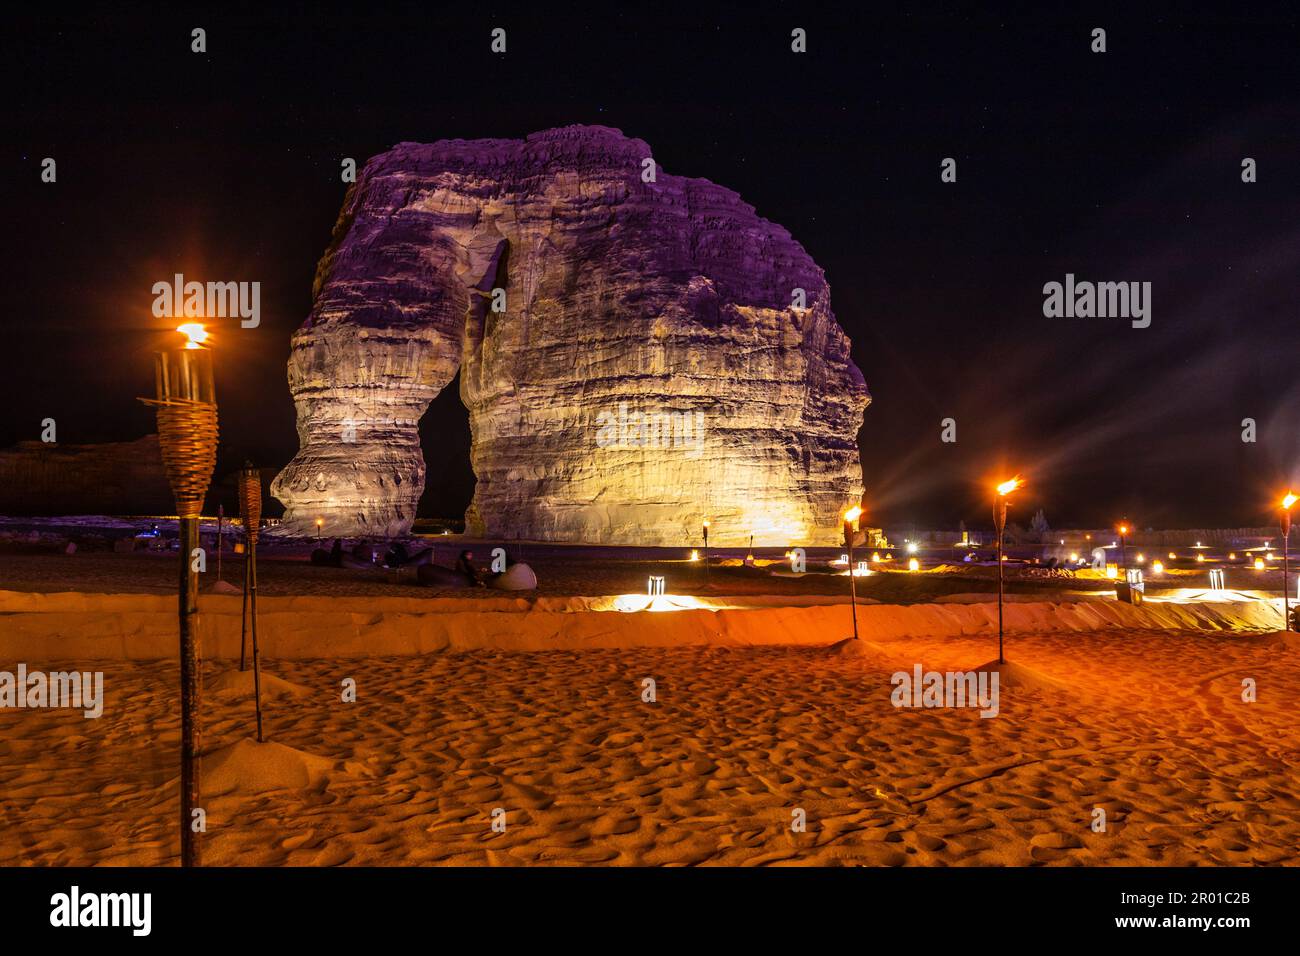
<point>1157,568</point>
<point>1141,559</point>
<point>695,554</point>
<point>630,603</point>
<point>914,565</point>
<point>911,547</point>
<point>1259,564</point>
<point>1289,500</point>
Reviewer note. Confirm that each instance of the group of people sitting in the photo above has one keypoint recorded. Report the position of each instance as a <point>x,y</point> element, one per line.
<point>465,573</point>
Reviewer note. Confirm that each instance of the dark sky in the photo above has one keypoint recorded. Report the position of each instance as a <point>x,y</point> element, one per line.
<point>1123,166</point>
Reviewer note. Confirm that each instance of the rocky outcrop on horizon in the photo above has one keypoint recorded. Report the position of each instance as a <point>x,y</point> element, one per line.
<point>631,354</point>
<point>40,478</point>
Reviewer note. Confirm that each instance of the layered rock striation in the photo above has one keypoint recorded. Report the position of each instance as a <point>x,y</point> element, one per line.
<point>633,355</point>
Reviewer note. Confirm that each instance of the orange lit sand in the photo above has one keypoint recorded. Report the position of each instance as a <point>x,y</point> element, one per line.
<point>1151,728</point>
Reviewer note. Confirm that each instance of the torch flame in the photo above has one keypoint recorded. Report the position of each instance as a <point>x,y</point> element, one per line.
<point>1009,486</point>
<point>195,332</point>
<point>852,514</point>
<point>1289,500</point>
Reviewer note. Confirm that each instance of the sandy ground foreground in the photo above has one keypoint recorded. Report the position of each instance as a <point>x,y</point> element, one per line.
<point>1149,726</point>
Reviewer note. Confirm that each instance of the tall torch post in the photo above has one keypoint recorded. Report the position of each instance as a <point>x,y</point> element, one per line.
<point>850,532</point>
<point>1123,533</point>
<point>1000,523</point>
<point>250,505</point>
<point>1287,501</point>
<point>221,518</point>
<point>186,405</point>
<point>706,551</point>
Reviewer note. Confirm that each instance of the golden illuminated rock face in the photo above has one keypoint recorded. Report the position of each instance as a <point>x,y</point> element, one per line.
<point>633,354</point>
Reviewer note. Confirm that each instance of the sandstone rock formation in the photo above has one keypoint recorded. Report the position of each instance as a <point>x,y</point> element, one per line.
<point>630,353</point>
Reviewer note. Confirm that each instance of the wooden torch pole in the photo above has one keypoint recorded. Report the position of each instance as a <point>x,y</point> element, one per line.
<point>186,407</point>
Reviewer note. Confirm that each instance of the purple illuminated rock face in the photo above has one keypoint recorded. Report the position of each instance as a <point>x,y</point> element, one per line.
<point>630,352</point>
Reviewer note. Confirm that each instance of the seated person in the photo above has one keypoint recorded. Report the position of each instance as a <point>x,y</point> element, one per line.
<point>333,558</point>
<point>465,566</point>
<point>398,557</point>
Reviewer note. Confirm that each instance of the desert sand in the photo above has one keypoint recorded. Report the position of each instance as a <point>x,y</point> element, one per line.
<point>1148,725</point>
<point>532,705</point>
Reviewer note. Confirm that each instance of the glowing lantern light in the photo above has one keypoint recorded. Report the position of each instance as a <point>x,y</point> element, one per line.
<point>1007,487</point>
<point>1157,568</point>
<point>695,554</point>
<point>195,333</point>
<point>1259,564</point>
<point>914,565</point>
<point>1200,558</point>
<point>1142,559</point>
<point>875,556</point>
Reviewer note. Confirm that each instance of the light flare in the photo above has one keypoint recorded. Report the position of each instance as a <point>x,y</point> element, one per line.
<point>195,333</point>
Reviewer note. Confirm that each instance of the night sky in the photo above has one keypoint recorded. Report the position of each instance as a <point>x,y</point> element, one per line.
<point>1122,166</point>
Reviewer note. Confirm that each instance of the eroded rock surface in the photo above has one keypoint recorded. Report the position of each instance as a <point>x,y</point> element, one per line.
<point>649,367</point>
